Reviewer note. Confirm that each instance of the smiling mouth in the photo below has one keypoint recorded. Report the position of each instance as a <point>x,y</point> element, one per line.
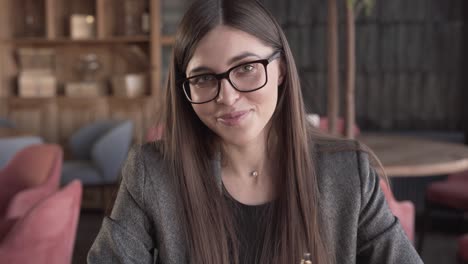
<point>233,118</point>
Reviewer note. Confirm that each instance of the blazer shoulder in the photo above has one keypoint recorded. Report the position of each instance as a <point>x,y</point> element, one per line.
<point>151,149</point>
<point>343,163</point>
<point>141,162</point>
<point>332,145</point>
<point>341,152</point>
<point>335,153</point>
<point>146,155</point>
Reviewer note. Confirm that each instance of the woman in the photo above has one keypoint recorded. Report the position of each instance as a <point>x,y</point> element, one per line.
<point>239,177</point>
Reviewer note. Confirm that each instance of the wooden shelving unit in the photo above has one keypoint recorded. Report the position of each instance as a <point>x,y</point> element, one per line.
<point>55,119</point>
<point>65,41</point>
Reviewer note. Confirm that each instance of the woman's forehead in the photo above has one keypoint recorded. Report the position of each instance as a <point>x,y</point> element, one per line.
<point>218,48</point>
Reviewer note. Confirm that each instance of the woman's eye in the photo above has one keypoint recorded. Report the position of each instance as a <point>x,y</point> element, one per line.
<point>247,68</point>
<point>203,79</point>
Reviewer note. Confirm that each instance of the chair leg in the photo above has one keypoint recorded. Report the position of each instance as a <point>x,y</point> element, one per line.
<point>426,225</point>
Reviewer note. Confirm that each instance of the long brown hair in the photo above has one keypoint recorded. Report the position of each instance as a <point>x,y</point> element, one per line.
<point>189,148</point>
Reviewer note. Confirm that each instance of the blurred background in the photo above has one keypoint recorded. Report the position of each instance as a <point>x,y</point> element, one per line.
<point>84,75</point>
<point>409,65</point>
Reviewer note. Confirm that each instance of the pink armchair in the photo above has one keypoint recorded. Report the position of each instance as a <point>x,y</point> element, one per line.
<point>463,249</point>
<point>450,195</point>
<point>403,210</point>
<point>31,175</point>
<point>154,133</point>
<point>46,233</point>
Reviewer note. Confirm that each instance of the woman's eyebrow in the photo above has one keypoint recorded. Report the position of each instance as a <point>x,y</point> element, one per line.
<point>200,69</point>
<point>241,56</point>
<point>232,60</point>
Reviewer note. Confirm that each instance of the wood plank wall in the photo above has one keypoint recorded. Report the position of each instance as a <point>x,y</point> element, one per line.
<point>409,55</point>
<point>464,67</point>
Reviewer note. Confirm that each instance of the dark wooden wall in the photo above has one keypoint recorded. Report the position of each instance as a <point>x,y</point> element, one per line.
<point>464,71</point>
<point>409,56</point>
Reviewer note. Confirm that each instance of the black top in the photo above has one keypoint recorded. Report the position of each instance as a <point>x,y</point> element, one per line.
<point>250,228</point>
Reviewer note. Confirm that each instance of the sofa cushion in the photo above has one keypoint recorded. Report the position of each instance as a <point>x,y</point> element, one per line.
<point>84,171</point>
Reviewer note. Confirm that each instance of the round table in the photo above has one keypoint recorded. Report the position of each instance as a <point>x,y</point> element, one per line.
<point>413,157</point>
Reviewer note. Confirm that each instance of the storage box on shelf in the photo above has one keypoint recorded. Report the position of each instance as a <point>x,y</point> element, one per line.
<point>36,84</point>
<point>82,26</point>
<point>36,77</point>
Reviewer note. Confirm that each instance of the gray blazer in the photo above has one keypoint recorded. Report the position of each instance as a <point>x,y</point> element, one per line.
<point>144,226</point>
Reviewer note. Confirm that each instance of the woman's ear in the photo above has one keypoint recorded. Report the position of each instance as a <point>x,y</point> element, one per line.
<point>281,72</point>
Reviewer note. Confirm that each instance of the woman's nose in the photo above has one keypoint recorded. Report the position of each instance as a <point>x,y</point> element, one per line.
<point>227,94</point>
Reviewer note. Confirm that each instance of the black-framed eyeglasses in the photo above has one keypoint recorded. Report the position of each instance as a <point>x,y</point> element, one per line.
<point>246,77</point>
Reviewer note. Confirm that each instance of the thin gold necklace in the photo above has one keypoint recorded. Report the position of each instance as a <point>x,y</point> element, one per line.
<point>254,173</point>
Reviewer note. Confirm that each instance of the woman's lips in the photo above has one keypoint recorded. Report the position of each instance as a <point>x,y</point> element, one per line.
<point>233,118</point>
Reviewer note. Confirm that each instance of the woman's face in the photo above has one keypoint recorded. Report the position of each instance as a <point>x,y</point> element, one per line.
<point>236,117</point>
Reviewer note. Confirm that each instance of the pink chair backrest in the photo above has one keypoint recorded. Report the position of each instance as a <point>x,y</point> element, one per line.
<point>386,190</point>
<point>47,232</point>
<point>461,176</point>
<point>404,210</point>
<point>33,166</point>
<point>154,133</point>
<point>463,248</point>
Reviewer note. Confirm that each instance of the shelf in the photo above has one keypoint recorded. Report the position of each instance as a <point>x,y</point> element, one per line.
<point>66,98</point>
<point>15,99</point>
<point>65,41</point>
<point>165,40</point>
<point>56,118</point>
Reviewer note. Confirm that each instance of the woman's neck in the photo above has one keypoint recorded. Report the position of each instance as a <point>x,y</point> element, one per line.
<point>242,161</point>
<point>248,174</point>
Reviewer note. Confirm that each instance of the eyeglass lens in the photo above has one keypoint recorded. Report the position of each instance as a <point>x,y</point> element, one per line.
<point>245,78</point>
